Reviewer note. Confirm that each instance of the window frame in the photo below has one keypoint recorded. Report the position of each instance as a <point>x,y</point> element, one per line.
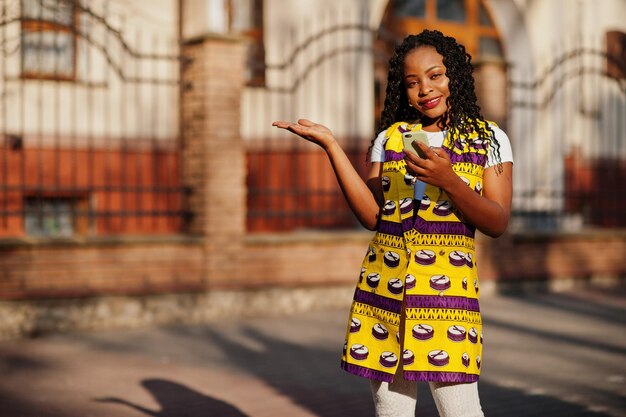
<point>36,216</point>
<point>467,33</point>
<point>41,25</point>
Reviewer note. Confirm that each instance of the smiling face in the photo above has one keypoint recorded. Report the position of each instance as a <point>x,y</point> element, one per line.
<point>426,85</point>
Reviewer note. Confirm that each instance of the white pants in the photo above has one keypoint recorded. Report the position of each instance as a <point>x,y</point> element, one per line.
<point>399,398</point>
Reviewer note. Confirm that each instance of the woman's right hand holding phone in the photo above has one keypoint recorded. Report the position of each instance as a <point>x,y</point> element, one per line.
<point>488,212</point>
<point>434,168</point>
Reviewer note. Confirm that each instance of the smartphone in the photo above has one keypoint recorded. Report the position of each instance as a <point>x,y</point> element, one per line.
<point>411,139</point>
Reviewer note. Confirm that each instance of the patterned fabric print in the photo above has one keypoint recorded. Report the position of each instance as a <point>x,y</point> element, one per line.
<point>422,258</point>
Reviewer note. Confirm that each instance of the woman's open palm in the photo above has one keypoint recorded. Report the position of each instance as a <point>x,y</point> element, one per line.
<point>313,132</point>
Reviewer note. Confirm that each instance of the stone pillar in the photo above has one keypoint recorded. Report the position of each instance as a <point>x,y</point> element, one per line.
<point>214,166</point>
<point>491,82</point>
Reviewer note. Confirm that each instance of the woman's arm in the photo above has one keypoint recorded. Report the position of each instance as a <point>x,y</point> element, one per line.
<point>374,182</point>
<point>490,212</point>
<point>359,194</point>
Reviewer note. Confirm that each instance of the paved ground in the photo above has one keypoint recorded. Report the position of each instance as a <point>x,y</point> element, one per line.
<point>546,355</point>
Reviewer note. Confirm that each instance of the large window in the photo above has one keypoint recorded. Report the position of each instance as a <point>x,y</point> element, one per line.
<point>48,42</point>
<point>469,21</point>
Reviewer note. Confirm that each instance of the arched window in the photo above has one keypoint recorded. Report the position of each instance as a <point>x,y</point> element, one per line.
<point>48,41</point>
<point>469,21</point>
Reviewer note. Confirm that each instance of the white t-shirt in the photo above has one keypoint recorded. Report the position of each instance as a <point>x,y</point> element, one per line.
<point>435,139</point>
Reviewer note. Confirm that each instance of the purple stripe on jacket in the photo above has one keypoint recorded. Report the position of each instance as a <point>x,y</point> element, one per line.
<point>436,301</point>
<point>443,228</point>
<point>390,228</point>
<point>407,224</point>
<point>472,157</point>
<point>375,300</point>
<point>439,376</point>
<point>393,156</point>
<point>366,372</point>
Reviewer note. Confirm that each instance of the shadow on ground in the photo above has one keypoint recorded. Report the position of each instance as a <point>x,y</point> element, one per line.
<point>299,358</point>
<point>177,400</point>
<point>310,376</point>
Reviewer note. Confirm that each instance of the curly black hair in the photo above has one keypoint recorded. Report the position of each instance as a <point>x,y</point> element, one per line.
<point>463,113</point>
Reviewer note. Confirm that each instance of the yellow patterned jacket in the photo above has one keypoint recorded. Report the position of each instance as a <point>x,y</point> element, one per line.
<point>416,302</point>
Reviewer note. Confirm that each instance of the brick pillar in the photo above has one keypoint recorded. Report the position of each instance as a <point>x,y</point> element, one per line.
<point>492,90</point>
<point>213,151</point>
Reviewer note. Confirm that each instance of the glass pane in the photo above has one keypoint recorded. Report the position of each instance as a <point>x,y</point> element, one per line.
<point>483,17</point>
<point>57,11</point>
<point>48,217</point>
<point>490,48</point>
<point>242,15</point>
<point>453,10</point>
<point>48,53</point>
<point>409,8</point>
<point>64,225</point>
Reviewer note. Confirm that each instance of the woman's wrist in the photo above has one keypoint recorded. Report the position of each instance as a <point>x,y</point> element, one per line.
<point>452,183</point>
<point>332,143</point>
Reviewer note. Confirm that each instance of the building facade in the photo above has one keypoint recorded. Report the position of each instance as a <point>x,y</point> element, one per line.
<point>138,159</point>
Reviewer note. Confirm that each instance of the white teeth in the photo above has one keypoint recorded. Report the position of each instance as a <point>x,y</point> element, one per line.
<point>430,101</point>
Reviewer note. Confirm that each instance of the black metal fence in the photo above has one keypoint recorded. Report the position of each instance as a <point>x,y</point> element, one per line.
<point>290,183</point>
<point>565,121</point>
<point>89,121</point>
<point>567,125</point>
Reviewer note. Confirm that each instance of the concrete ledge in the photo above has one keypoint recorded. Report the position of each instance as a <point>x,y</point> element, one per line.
<point>562,284</point>
<point>32,318</point>
<point>587,234</point>
<point>99,241</point>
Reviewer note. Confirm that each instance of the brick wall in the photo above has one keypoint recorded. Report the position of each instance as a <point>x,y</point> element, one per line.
<point>102,178</point>
<point>213,155</point>
<point>589,255</point>
<point>124,284</point>
<point>325,258</point>
<point>65,269</point>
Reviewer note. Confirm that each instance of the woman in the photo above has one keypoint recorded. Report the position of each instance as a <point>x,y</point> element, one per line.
<point>415,315</point>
